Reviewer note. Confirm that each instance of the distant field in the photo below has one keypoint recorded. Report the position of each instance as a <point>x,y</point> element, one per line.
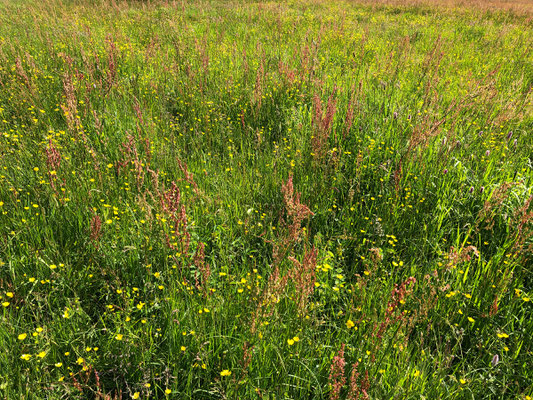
<point>266,200</point>
<point>517,7</point>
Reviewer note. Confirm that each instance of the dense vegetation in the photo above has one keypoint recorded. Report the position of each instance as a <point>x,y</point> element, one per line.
<point>265,200</point>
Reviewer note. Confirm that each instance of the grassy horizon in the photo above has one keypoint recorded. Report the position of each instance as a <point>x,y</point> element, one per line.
<point>266,200</point>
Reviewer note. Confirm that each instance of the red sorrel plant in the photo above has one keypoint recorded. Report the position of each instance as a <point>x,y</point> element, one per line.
<point>96,229</point>
<point>172,207</point>
<point>70,109</point>
<point>112,63</point>
<point>21,73</point>
<point>323,124</point>
<point>458,256</point>
<point>296,213</point>
<point>393,314</point>
<point>53,161</point>
<point>271,295</point>
<point>358,386</point>
<point>336,379</point>
<point>304,277</point>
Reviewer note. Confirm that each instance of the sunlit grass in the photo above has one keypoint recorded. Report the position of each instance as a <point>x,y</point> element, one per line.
<point>265,200</point>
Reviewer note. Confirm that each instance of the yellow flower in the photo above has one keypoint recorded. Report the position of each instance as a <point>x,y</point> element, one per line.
<point>136,395</point>
<point>22,336</point>
<point>42,354</point>
<point>462,381</point>
<point>168,391</point>
<point>5,303</point>
<point>226,372</point>
<point>290,342</point>
<point>183,348</point>
<point>350,324</point>
<point>471,319</point>
<point>25,357</point>
<point>58,365</point>
<point>417,372</point>
<point>147,385</point>
<point>119,336</point>
<point>503,335</point>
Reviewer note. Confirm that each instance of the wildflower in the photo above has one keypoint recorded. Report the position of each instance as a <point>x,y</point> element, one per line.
<point>42,354</point>
<point>225,372</point>
<point>183,348</point>
<point>58,365</point>
<point>119,336</point>
<point>350,324</point>
<point>168,391</point>
<point>22,336</point>
<point>472,320</point>
<point>417,373</point>
<point>136,395</point>
<point>503,335</point>
<point>25,357</point>
<point>462,381</point>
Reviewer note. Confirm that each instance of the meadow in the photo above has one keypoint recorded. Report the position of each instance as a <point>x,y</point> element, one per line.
<point>228,199</point>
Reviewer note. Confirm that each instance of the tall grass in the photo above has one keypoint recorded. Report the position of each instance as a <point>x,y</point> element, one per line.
<point>227,199</point>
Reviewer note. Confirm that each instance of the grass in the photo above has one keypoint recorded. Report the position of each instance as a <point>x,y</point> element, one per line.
<point>266,200</point>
